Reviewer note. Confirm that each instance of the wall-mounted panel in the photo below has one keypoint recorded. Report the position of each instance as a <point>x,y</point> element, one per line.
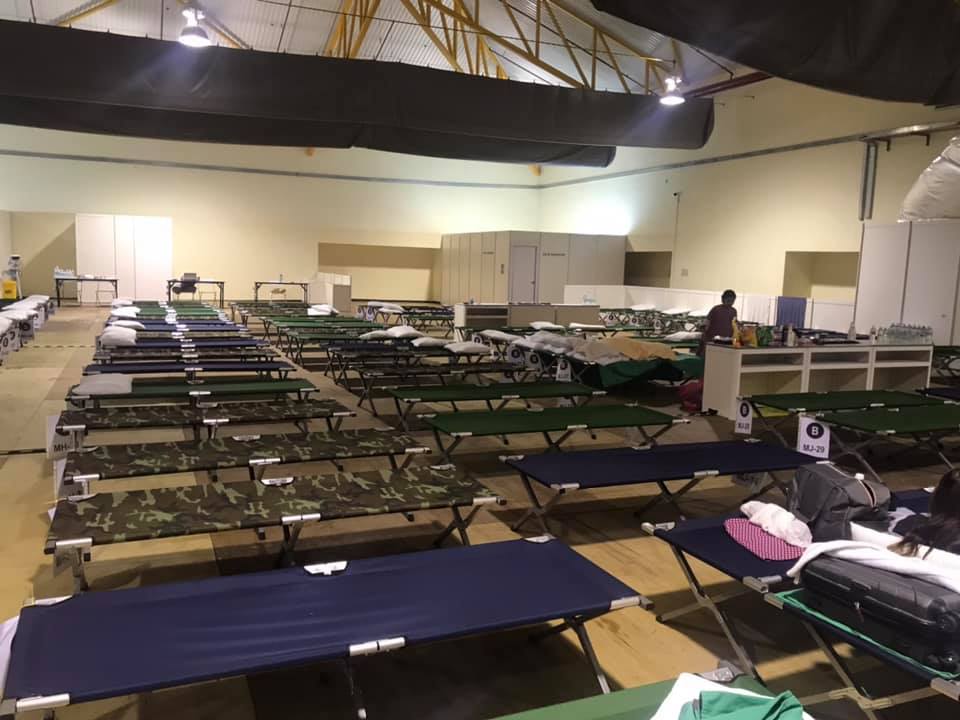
<point>445,269</point>
<point>153,253</point>
<point>583,260</point>
<point>611,259</point>
<point>882,275</point>
<point>476,267</point>
<point>501,281</point>
<point>488,251</point>
<point>931,289</point>
<point>553,267</point>
<point>124,228</point>
<point>464,268</point>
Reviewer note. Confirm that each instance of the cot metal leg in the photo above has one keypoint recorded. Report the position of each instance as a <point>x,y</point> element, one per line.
<point>355,693</point>
<point>460,524</point>
<point>76,557</point>
<point>446,451</point>
<point>554,445</point>
<point>840,667</point>
<point>291,533</point>
<point>668,497</point>
<point>581,631</point>
<point>856,450</point>
<point>536,509</point>
<point>705,601</point>
<point>772,428</point>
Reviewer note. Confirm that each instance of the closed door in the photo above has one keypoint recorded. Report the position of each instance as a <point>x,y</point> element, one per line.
<point>153,253</point>
<point>523,273</point>
<point>931,287</point>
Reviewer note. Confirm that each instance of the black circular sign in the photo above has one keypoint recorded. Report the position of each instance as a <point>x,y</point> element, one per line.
<point>815,430</point>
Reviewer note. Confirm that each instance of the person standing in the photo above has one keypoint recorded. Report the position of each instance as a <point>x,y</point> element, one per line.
<point>719,320</point>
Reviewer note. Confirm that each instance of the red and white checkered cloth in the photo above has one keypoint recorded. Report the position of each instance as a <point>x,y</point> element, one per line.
<point>758,541</point>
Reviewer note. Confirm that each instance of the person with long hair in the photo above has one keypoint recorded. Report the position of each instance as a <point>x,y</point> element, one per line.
<point>941,528</point>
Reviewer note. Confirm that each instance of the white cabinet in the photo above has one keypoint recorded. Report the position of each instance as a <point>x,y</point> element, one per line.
<point>909,272</point>
<point>482,265</point>
<point>137,250</point>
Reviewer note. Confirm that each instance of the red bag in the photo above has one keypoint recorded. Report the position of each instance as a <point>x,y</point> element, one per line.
<point>691,395</point>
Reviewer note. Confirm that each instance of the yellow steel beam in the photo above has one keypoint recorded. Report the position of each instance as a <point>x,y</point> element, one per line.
<point>516,26</point>
<point>369,13</point>
<point>616,66</point>
<point>82,11</point>
<point>483,48</point>
<point>488,34</point>
<point>428,31</point>
<point>575,12</point>
<point>335,40</point>
<point>566,43</point>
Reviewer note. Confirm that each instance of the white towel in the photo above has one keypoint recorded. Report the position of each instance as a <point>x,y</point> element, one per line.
<point>778,522</point>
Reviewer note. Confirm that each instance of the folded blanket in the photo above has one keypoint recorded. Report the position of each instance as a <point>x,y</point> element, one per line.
<point>638,349</point>
<point>778,522</point>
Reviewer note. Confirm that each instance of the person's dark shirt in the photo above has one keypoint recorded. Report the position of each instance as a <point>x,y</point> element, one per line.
<point>719,323</point>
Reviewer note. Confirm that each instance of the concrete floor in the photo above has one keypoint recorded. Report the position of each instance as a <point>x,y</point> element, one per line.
<point>473,679</point>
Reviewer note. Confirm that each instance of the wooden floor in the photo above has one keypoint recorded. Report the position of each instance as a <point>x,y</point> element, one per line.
<point>472,679</point>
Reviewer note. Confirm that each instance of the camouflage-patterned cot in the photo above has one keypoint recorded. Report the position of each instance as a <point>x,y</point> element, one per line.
<point>254,452</point>
<point>288,503</point>
<point>78,423</point>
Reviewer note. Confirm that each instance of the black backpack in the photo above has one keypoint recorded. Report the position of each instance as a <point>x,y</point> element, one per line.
<point>828,499</point>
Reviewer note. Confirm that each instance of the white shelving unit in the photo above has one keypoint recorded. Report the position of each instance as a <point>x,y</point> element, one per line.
<point>731,373</point>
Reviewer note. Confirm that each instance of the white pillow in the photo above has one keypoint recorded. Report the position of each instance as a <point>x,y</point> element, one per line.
<point>467,348</point>
<point>375,335</point>
<point>19,315</point>
<point>5,324</point>
<point>429,342</point>
<point>404,331</point>
<point>322,309</point>
<point>676,311</point>
<point>128,324</point>
<point>314,312</point>
<point>499,335</point>
<point>39,298</point>
<point>682,336</point>
<point>107,384</point>
<point>376,304</point>
<point>121,302</point>
<point>130,312</point>
<point>642,308</point>
<point>587,326</point>
<point>698,313</point>
<point>118,337</point>
<point>544,325</point>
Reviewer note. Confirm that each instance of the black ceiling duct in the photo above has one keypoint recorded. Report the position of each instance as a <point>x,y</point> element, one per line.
<point>884,49</point>
<point>96,82</point>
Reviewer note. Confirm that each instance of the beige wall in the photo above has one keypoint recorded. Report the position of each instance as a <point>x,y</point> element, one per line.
<point>6,238</point>
<point>739,218</point>
<point>648,269</point>
<point>243,226</point>
<point>388,273</point>
<point>43,241</point>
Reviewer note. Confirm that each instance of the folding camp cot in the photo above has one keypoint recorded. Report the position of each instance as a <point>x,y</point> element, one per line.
<point>78,423</point>
<point>639,703</point>
<point>706,540</point>
<point>370,380</point>
<point>617,467</point>
<point>822,402</point>
<point>289,504</point>
<point>820,626</point>
<point>192,368</point>
<point>323,323</point>
<point>254,452</point>
<point>193,335</point>
<point>181,327</point>
<point>177,389</point>
<point>945,358</point>
<point>924,426</point>
<point>133,355</point>
<point>943,394</point>
<point>442,321</point>
<point>186,342</point>
<point>154,637</point>
<point>407,399</point>
<point>566,421</point>
<point>296,344</point>
<point>553,364</point>
<point>345,358</point>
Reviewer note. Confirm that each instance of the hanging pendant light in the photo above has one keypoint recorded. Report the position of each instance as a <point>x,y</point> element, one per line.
<point>193,35</point>
<point>672,96</point>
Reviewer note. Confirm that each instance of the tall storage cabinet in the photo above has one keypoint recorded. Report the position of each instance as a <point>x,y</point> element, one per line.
<point>478,266</point>
<point>910,272</point>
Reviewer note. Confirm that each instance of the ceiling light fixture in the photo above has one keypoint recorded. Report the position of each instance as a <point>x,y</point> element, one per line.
<point>193,35</point>
<point>672,97</point>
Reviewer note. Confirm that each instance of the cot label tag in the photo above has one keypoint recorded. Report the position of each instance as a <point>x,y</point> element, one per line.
<point>743,425</point>
<point>57,445</point>
<point>813,438</point>
<point>564,373</point>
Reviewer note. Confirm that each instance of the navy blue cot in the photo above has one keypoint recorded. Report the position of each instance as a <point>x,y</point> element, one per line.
<point>706,540</point>
<point>99,645</point>
<point>218,342</point>
<point>943,393</point>
<point>262,367</point>
<point>693,462</point>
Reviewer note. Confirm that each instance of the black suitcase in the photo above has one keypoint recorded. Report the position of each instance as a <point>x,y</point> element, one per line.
<point>914,617</point>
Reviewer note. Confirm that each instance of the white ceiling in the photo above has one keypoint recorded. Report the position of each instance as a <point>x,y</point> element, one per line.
<point>304,26</point>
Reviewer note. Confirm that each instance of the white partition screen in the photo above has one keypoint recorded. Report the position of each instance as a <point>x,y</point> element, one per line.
<point>137,250</point>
